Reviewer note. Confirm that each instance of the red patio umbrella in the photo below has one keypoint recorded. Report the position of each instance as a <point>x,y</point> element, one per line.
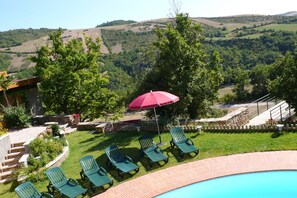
<point>153,99</point>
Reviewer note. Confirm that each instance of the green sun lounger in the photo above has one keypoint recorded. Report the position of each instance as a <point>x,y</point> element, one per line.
<point>93,173</point>
<point>122,163</point>
<point>184,144</point>
<point>149,149</point>
<point>28,190</point>
<point>65,187</point>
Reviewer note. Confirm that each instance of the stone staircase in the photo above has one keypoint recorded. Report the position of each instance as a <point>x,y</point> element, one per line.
<point>11,161</point>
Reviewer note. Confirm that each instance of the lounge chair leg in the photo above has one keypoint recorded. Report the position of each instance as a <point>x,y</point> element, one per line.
<point>121,175</point>
<point>92,187</point>
<point>181,154</point>
<point>166,160</point>
<point>149,163</point>
<point>82,176</point>
<point>111,183</point>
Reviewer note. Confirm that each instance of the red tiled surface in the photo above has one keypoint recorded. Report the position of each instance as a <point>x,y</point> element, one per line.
<point>168,179</point>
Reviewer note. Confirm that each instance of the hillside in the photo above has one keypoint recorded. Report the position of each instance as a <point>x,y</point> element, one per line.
<point>134,37</point>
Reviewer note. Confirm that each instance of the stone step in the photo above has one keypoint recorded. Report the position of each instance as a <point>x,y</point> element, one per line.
<point>16,149</point>
<point>70,130</point>
<point>5,175</point>
<point>17,144</point>
<point>14,155</point>
<point>9,168</point>
<point>11,161</point>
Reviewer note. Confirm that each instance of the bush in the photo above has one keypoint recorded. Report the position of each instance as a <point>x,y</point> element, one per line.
<point>228,98</point>
<point>51,147</point>
<point>3,130</point>
<point>16,116</point>
<point>43,149</point>
<point>55,130</point>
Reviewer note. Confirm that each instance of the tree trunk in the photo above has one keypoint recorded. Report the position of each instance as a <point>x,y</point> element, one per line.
<point>6,99</point>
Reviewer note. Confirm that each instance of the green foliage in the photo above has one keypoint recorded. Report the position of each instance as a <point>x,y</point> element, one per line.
<point>3,130</point>
<point>241,80</point>
<point>47,148</point>
<point>116,22</point>
<point>215,112</point>
<point>72,78</point>
<point>284,86</point>
<point>260,76</point>
<point>16,116</point>
<point>255,18</point>
<point>55,130</point>
<point>25,73</point>
<point>183,68</point>
<point>17,37</point>
<point>4,61</point>
<point>5,81</point>
<point>119,80</point>
<point>228,98</point>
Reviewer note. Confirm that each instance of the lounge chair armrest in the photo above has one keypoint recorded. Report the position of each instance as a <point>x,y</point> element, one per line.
<point>129,158</point>
<point>72,181</point>
<point>190,141</point>
<point>45,194</point>
<point>103,170</point>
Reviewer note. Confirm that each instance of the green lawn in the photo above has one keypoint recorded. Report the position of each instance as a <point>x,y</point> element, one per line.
<point>210,144</point>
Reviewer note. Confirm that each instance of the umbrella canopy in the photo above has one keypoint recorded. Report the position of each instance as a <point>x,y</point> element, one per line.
<point>153,99</point>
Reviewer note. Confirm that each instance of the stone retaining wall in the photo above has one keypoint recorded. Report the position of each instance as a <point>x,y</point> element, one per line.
<point>238,117</point>
<point>5,145</point>
<point>61,119</point>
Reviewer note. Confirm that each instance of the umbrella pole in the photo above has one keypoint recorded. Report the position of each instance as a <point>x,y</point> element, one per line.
<point>157,124</point>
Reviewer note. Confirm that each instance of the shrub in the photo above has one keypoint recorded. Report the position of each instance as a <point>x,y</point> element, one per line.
<point>228,98</point>
<point>2,129</point>
<point>43,150</point>
<point>55,130</point>
<point>15,116</point>
<point>48,146</point>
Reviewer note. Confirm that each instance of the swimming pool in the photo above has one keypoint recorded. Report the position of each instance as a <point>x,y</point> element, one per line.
<point>272,184</point>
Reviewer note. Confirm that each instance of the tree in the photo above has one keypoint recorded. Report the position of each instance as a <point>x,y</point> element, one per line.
<point>284,85</point>
<point>5,81</point>
<point>260,76</point>
<point>183,68</point>
<point>72,80</point>
<point>241,79</point>
<point>175,8</point>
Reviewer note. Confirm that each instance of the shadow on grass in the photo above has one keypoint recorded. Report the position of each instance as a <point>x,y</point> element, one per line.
<point>277,134</point>
<point>154,166</point>
<point>121,139</point>
<point>176,154</point>
<point>196,135</point>
<point>90,193</point>
<point>13,185</point>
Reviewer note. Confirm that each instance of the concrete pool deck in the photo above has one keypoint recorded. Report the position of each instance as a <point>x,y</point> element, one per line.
<point>164,180</point>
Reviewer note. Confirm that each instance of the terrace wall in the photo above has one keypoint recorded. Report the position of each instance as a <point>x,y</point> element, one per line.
<point>5,145</point>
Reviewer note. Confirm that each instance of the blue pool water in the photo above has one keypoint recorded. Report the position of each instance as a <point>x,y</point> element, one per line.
<point>272,184</point>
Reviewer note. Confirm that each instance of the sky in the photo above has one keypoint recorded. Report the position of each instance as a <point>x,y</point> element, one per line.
<point>79,14</point>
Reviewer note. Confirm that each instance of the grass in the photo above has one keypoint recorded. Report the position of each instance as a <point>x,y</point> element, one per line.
<point>211,145</point>
<point>278,27</point>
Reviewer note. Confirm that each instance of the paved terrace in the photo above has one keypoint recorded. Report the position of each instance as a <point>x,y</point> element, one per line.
<point>25,134</point>
<point>168,179</point>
